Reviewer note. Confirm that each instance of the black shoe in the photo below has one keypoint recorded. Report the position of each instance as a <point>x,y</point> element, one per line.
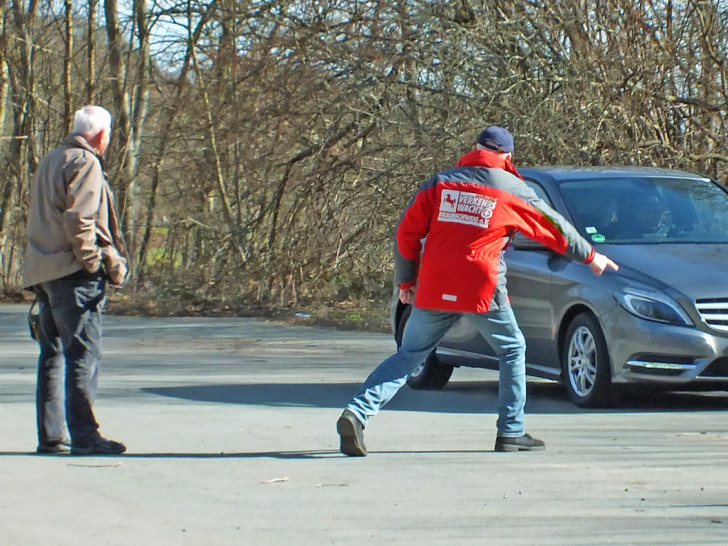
<point>97,445</point>
<point>519,443</point>
<point>352,435</point>
<point>54,448</point>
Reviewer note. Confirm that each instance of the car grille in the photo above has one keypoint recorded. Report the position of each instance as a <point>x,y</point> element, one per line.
<point>714,312</point>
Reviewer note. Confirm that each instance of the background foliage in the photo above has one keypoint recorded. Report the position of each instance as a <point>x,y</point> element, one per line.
<point>263,150</point>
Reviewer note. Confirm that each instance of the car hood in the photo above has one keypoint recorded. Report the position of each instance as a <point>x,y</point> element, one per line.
<point>695,270</point>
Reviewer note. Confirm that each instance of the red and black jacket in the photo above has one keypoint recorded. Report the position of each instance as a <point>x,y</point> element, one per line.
<point>468,214</point>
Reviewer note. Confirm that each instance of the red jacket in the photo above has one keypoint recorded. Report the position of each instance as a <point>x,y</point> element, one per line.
<point>468,215</point>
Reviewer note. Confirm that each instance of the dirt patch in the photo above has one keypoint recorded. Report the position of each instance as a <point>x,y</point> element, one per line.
<point>362,315</point>
<point>366,315</point>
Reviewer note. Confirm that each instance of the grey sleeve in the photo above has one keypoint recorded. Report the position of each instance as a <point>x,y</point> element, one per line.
<point>577,247</point>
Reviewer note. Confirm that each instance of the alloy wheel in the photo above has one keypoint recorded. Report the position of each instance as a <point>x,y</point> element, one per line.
<point>582,361</point>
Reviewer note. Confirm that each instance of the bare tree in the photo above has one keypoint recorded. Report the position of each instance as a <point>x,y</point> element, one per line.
<point>67,82</point>
<point>264,149</point>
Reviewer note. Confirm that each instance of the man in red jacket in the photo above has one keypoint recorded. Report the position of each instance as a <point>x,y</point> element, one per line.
<point>468,214</point>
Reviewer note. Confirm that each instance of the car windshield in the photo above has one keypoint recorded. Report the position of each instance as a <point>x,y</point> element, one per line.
<point>648,210</point>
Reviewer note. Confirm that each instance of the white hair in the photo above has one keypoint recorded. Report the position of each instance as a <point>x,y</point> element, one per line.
<point>90,120</point>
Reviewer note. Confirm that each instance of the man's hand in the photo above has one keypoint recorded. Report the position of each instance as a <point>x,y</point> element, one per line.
<point>115,265</point>
<point>407,295</point>
<point>598,264</point>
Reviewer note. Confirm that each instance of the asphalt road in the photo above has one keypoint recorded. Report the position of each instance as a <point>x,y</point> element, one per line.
<point>230,426</point>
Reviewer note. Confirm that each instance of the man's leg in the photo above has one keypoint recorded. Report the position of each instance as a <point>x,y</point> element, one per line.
<point>424,330</point>
<point>500,329</point>
<point>78,316</point>
<point>76,303</point>
<point>49,394</point>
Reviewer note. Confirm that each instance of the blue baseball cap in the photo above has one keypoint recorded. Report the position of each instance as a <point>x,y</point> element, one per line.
<point>497,139</point>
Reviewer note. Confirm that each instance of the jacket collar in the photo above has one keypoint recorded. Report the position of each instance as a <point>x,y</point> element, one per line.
<point>486,158</point>
<point>76,140</point>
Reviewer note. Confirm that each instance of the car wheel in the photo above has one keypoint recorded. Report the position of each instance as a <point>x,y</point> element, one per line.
<point>585,363</point>
<point>431,374</point>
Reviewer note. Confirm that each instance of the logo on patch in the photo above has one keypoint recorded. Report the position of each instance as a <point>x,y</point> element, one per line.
<point>449,200</point>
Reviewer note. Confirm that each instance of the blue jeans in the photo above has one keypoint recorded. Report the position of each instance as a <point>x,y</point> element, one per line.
<point>423,332</point>
<point>70,348</point>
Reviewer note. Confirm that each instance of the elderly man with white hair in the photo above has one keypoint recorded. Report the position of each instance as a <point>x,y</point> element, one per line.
<point>74,248</point>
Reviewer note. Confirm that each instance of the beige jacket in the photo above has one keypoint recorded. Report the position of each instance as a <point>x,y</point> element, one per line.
<point>72,224</point>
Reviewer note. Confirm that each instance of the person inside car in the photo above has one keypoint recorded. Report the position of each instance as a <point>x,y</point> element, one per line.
<point>644,216</point>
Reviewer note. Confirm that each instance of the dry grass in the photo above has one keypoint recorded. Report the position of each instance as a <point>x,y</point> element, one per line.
<point>362,315</point>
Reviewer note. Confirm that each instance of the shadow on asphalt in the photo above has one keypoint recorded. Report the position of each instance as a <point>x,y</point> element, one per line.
<point>93,460</point>
<point>456,397</point>
<point>86,460</point>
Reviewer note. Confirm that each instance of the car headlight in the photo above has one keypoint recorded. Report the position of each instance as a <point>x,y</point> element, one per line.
<point>653,306</point>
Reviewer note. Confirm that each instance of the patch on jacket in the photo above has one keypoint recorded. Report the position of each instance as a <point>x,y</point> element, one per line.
<point>464,207</point>
<point>449,297</point>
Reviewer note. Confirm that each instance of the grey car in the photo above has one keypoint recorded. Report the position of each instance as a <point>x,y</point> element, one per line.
<point>661,320</point>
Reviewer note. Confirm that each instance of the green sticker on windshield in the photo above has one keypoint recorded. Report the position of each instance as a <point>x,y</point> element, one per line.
<point>598,238</point>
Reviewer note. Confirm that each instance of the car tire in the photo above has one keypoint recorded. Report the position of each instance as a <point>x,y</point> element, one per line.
<point>431,374</point>
<point>585,363</point>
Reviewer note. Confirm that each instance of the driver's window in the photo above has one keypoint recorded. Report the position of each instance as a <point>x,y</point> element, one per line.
<point>520,240</point>
<point>540,192</point>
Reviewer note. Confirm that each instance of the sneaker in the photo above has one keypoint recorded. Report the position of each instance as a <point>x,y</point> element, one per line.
<point>97,445</point>
<point>54,448</point>
<point>352,435</point>
<point>519,443</point>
